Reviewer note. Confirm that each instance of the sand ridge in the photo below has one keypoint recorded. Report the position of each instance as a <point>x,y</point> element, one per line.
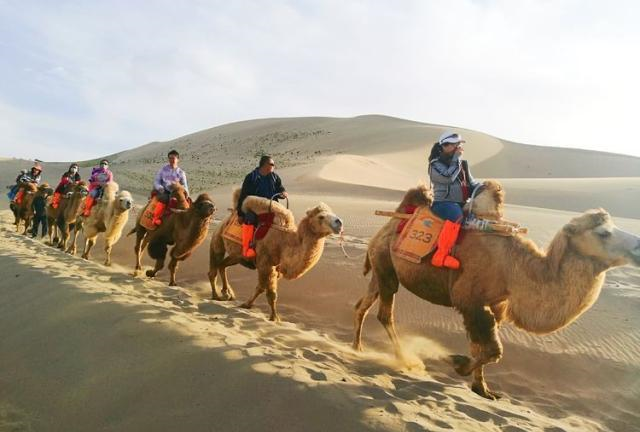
<point>128,350</point>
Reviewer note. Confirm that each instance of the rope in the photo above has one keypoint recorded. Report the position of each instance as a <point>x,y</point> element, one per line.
<point>341,243</point>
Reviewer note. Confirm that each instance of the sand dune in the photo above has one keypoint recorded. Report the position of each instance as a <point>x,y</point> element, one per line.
<point>90,348</point>
<point>136,355</point>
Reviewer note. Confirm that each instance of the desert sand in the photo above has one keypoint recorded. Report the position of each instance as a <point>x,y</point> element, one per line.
<point>87,347</point>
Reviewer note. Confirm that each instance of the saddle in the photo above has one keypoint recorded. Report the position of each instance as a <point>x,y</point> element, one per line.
<point>419,233</point>
<point>233,230</point>
<point>146,219</point>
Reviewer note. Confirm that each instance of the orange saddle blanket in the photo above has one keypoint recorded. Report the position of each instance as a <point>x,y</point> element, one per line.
<point>419,236</point>
<point>233,231</point>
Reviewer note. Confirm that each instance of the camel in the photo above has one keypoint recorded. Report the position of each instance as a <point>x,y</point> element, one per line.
<point>109,216</point>
<point>186,229</point>
<point>23,211</point>
<point>180,196</point>
<point>69,211</point>
<point>286,250</point>
<point>502,279</point>
<point>53,213</point>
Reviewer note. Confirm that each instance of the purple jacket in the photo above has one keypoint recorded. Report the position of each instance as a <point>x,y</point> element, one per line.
<point>168,175</point>
<point>100,177</point>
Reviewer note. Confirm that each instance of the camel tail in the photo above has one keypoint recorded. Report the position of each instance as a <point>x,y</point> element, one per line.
<point>367,265</point>
<point>158,249</point>
<point>135,228</point>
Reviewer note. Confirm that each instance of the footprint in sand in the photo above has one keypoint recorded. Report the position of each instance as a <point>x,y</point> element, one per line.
<point>480,415</point>
<point>511,428</point>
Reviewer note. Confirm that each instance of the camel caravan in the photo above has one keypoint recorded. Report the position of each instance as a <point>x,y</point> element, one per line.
<point>448,243</point>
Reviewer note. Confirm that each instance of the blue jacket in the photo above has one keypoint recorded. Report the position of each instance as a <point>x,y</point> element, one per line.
<point>262,186</point>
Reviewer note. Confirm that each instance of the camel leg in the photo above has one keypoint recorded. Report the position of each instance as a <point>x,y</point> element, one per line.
<point>73,238</point>
<point>107,251</point>
<point>485,348</point>
<point>362,309</point>
<point>159,266</point>
<point>141,244</point>
<point>227,293</point>
<point>271,282</point>
<point>173,267</point>
<point>88,245</point>
<point>385,316</point>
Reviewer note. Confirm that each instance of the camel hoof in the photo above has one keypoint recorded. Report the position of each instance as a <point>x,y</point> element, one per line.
<point>275,318</point>
<point>227,296</point>
<point>246,305</point>
<point>483,391</point>
<point>107,263</point>
<point>357,346</point>
<point>173,284</point>
<point>150,273</point>
<point>461,364</point>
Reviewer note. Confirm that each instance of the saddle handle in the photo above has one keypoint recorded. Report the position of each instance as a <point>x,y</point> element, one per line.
<point>272,199</point>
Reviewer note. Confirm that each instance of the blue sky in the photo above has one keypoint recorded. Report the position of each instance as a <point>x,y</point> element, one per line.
<point>81,79</point>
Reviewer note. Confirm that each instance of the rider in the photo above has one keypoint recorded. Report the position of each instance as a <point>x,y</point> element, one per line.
<point>452,187</point>
<point>168,174</point>
<point>71,176</point>
<point>33,176</point>
<point>262,182</point>
<point>100,176</point>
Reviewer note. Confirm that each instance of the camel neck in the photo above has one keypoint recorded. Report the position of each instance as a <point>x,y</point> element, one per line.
<point>549,292</point>
<point>302,253</point>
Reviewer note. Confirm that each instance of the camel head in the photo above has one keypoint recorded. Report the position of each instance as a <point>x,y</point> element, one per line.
<point>124,200</point>
<point>204,206</point>
<point>322,221</point>
<point>594,235</point>
<point>488,201</point>
<point>81,188</point>
<point>30,187</point>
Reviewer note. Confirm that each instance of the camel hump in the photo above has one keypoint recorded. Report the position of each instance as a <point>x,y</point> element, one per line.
<point>260,205</point>
<point>235,197</point>
<point>420,196</point>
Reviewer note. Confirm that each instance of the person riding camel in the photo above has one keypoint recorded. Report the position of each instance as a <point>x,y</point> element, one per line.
<point>33,176</point>
<point>452,187</point>
<point>262,182</point>
<point>167,175</point>
<point>71,176</point>
<point>100,176</point>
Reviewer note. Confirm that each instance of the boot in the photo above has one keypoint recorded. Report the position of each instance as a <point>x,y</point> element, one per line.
<point>158,210</point>
<point>88,204</point>
<point>247,237</point>
<point>55,202</point>
<point>446,241</point>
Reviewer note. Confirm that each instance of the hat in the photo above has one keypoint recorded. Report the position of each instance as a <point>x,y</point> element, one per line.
<point>450,138</point>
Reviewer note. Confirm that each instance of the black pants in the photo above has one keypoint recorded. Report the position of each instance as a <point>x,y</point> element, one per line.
<point>37,220</point>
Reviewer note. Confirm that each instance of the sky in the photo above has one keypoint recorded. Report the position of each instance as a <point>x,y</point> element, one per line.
<point>83,79</point>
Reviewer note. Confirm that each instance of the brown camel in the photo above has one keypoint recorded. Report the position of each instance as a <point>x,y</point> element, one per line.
<point>69,212</point>
<point>23,211</point>
<point>180,196</point>
<point>185,229</point>
<point>286,251</point>
<point>53,213</point>
<point>502,279</point>
<point>109,216</point>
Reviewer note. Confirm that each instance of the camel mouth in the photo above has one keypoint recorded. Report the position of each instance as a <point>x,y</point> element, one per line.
<point>337,226</point>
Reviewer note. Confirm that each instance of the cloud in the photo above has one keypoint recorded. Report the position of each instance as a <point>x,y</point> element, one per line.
<point>95,78</point>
